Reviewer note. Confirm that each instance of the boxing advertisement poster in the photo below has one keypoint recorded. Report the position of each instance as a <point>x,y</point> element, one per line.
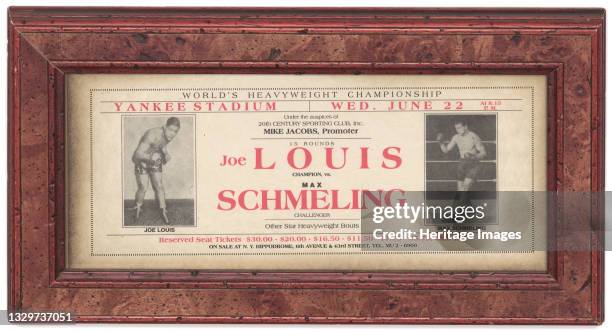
<point>301,172</point>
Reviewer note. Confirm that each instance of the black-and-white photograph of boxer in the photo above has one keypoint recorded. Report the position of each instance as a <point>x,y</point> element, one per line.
<point>461,159</point>
<point>158,174</point>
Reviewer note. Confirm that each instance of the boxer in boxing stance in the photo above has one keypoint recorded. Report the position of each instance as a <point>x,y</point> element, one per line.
<point>471,151</point>
<point>149,158</point>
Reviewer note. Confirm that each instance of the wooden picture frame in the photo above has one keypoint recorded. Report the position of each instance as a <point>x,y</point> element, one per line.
<point>46,44</point>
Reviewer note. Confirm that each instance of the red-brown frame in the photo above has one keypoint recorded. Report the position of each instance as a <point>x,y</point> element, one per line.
<point>112,40</point>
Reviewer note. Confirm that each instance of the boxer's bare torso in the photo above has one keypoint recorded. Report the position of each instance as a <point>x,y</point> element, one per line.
<point>469,144</point>
<point>152,141</point>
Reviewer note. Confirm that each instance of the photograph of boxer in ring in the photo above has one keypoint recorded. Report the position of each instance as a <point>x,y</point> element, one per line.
<point>149,159</point>
<point>471,152</point>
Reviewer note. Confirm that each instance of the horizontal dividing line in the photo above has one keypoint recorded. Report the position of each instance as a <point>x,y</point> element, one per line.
<point>226,234</point>
<point>308,100</point>
<point>455,161</point>
<point>176,89</point>
<point>312,219</point>
<point>330,138</point>
<point>448,141</point>
<point>307,111</point>
<point>454,180</point>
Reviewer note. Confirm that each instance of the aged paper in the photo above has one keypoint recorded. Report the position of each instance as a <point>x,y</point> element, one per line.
<point>267,172</point>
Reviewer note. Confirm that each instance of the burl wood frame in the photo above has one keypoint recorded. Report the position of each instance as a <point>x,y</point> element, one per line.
<point>46,44</point>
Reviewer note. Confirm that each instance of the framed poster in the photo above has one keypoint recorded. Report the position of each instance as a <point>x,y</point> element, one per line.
<point>253,165</point>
